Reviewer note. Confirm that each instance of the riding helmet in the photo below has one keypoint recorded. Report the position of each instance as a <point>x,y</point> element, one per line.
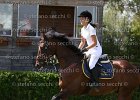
<point>86,14</point>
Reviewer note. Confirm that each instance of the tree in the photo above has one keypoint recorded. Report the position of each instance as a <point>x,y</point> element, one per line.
<point>121,30</point>
<point>134,5</point>
<point>135,25</point>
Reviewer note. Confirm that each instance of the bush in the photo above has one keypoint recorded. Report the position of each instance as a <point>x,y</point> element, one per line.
<point>38,86</point>
<point>119,48</point>
<point>28,85</point>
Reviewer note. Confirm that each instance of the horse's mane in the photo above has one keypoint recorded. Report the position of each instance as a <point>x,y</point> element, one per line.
<point>68,43</point>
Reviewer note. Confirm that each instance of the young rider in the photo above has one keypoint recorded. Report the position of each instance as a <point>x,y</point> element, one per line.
<point>88,35</point>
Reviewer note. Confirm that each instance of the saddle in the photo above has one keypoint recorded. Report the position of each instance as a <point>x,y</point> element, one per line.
<point>104,66</point>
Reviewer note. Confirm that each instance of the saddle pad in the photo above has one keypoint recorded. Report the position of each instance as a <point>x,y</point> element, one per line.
<point>106,70</point>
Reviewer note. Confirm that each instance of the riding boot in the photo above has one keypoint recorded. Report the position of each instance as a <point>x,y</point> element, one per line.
<point>95,76</point>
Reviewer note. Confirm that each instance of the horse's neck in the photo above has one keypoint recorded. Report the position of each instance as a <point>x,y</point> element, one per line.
<point>67,58</point>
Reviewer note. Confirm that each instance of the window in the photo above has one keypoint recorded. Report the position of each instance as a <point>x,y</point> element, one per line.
<point>27,20</point>
<point>6,19</point>
<point>92,10</point>
<point>59,17</point>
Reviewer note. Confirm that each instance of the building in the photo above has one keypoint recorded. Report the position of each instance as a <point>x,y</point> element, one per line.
<point>22,21</point>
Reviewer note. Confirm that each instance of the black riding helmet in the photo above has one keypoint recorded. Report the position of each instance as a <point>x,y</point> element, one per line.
<point>86,14</point>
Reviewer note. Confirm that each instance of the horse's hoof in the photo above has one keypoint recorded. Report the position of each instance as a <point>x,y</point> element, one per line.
<point>55,98</point>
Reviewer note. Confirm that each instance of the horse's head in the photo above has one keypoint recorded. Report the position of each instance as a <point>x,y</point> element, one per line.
<point>47,47</point>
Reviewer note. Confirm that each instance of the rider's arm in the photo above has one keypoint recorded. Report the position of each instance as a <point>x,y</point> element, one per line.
<point>94,42</point>
<point>82,43</point>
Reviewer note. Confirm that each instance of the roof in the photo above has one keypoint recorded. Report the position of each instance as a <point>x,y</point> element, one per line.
<point>58,2</point>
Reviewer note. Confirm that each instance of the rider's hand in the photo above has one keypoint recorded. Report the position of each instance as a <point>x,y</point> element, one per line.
<point>84,50</point>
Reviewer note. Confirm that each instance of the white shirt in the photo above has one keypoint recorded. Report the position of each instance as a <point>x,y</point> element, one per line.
<point>87,32</point>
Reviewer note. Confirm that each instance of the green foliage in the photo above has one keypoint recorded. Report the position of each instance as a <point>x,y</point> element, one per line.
<point>132,46</point>
<point>124,49</point>
<point>38,86</point>
<point>119,5</point>
<point>28,85</point>
<point>111,96</point>
<point>121,34</point>
<point>135,25</point>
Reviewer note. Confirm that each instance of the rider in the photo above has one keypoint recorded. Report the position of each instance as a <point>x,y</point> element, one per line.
<point>88,34</point>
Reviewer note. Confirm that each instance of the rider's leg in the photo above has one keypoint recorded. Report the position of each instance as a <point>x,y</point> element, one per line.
<point>94,70</point>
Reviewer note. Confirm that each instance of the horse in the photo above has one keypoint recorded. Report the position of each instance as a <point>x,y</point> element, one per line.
<point>72,81</point>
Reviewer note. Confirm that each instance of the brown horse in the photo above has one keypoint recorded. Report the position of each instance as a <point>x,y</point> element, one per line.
<point>73,81</point>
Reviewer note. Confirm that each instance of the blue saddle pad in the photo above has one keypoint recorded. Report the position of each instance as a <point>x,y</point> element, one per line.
<point>106,69</point>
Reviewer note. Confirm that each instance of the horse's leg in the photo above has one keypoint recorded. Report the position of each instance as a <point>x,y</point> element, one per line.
<point>124,94</point>
<point>60,96</point>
